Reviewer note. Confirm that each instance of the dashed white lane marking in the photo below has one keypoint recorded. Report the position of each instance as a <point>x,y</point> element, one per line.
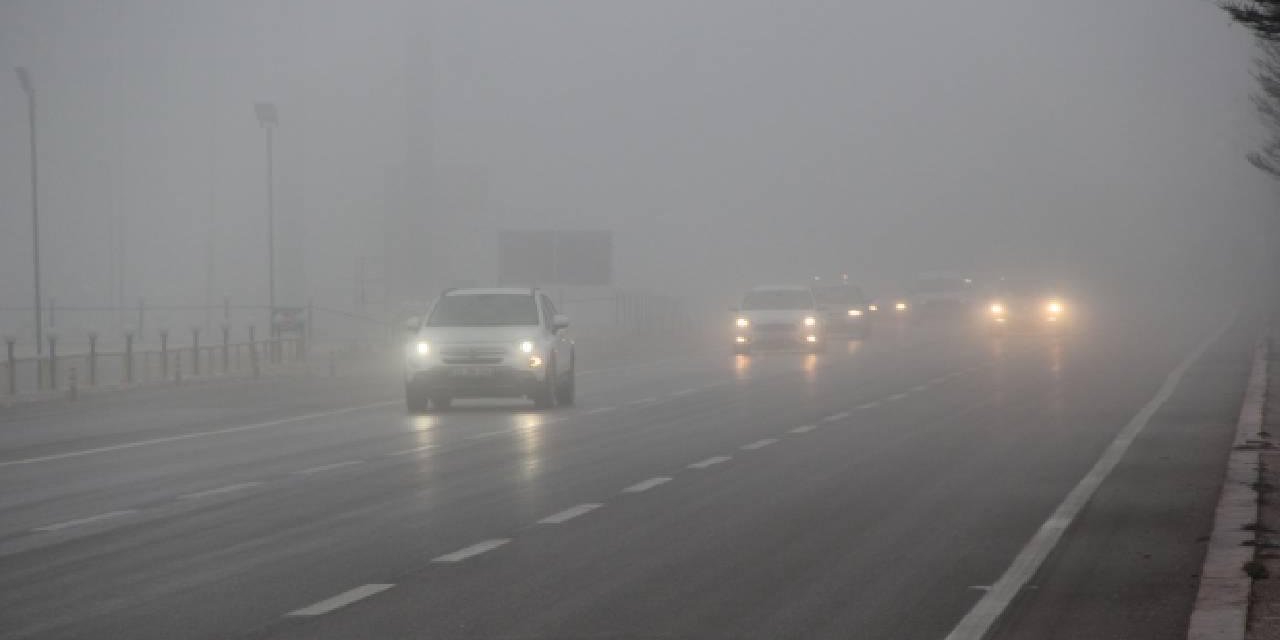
<point>895,397</point>
<point>83,521</point>
<point>759,444</point>
<point>486,434</point>
<point>405,452</point>
<point>231,488</point>
<point>473,550</point>
<point>192,436</point>
<point>598,411</point>
<point>341,600</point>
<point>570,513</point>
<point>703,464</point>
<point>838,416</point>
<point>684,392</point>
<point>647,484</point>
<point>938,380</point>
<point>918,388</point>
<point>641,402</point>
<point>981,587</point>
<point>805,428</point>
<point>328,467</point>
<point>868,405</point>
<point>991,606</point>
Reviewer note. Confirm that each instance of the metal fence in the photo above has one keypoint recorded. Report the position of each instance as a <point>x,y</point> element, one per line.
<point>130,366</point>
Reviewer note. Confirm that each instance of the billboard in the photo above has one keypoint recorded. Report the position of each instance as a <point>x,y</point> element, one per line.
<point>538,257</point>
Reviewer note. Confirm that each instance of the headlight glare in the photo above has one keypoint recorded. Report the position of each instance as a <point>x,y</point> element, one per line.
<point>1055,307</point>
<point>742,323</point>
<point>423,348</point>
<point>810,321</point>
<point>855,312</point>
<point>901,306</point>
<point>526,346</point>
<point>997,308</point>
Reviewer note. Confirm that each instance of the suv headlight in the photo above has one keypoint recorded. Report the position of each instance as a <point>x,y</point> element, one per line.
<point>526,346</point>
<point>997,308</point>
<point>423,348</point>
<point>742,323</point>
<point>1054,307</point>
<point>855,312</point>
<point>810,321</point>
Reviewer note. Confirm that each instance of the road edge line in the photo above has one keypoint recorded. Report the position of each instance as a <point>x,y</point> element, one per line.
<point>1221,610</point>
<point>983,615</point>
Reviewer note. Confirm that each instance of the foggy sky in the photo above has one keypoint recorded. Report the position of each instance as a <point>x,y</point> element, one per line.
<point>724,142</point>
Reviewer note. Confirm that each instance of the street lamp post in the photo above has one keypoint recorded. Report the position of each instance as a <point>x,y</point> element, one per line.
<point>25,79</point>
<point>269,118</point>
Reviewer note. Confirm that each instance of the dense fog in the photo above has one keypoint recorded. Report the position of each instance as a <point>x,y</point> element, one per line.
<point>722,143</point>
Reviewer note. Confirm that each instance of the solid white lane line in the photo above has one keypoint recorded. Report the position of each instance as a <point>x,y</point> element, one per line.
<point>684,392</point>
<point>938,380</point>
<point>83,521</point>
<point>895,397</point>
<point>486,434</point>
<point>918,388</point>
<point>341,600</point>
<point>641,402</point>
<point>192,436</point>
<point>759,444</point>
<point>405,452</point>
<point>703,464</point>
<point>231,488</point>
<point>868,405</point>
<point>599,411</point>
<point>473,550</point>
<point>804,429</point>
<point>839,416</point>
<point>570,513</point>
<point>979,620</point>
<point>647,484</point>
<point>328,467</point>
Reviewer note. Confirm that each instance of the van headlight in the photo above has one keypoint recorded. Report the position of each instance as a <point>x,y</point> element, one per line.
<point>810,321</point>
<point>526,346</point>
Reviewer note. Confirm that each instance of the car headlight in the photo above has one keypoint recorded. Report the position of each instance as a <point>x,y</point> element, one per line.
<point>873,307</point>
<point>855,312</point>
<point>1055,307</point>
<point>742,323</point>
<point>810,321</point>
<point>901,306</point>
<point>423,348</point>
<point>526,346</point>
<point>997,309</point>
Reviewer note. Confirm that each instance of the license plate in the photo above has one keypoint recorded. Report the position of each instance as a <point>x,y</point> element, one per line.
<point>470,372</point>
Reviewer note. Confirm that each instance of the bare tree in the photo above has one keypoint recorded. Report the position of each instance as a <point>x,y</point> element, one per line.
<point>1262,17</point>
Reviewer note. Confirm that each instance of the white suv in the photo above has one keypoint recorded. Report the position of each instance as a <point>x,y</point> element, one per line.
<point>778,316</point>
<point>489,343</point>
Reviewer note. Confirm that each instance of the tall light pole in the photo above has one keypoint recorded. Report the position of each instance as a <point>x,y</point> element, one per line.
<point>25,79</point>
<point>269,118</point>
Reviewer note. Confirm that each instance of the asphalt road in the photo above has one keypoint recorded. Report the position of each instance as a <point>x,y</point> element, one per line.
<point>876,491</point>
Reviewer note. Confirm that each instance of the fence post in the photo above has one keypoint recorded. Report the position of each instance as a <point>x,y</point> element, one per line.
<point>253,353</point>
<point>13,365</point>
<point>195,351</point>
<point>164,354</point>
<point>53,360</point>
<point>73,387</point>
<point>226,346</point>
<point>128,357</point>
<point>93,358</point>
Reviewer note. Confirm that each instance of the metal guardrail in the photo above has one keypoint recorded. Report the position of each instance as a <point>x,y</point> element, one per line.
<point>55,372</point>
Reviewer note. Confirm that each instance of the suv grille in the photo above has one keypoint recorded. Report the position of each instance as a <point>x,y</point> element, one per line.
<point>472,355</point>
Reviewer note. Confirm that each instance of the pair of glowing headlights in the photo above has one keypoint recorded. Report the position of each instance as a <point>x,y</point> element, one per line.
<point>423,349</point>
<point>809,321</point>
<point>1053,307</point>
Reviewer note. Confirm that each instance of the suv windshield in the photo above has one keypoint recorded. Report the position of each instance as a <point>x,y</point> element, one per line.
<point>777,299</point>
<point>484,310</point>
<point>838,295</point>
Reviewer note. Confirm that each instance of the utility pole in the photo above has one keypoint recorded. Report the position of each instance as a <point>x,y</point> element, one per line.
<point>25,79</point>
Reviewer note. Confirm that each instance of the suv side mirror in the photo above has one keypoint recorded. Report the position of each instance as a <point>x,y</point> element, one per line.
<point>413,324</point>
<point>559,321</point>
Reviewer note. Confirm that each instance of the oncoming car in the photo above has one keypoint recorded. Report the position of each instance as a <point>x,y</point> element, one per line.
<point>778,316</point>
<point>1025,304</point>
<point>844,308</point>
<point>489,343</point>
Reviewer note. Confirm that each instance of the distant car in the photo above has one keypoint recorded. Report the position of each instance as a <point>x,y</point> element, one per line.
<point>481,343</point>
<point>1027,304</point>
<point>778,316</point>
<point>844,309</point>
<point>939,295</point>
